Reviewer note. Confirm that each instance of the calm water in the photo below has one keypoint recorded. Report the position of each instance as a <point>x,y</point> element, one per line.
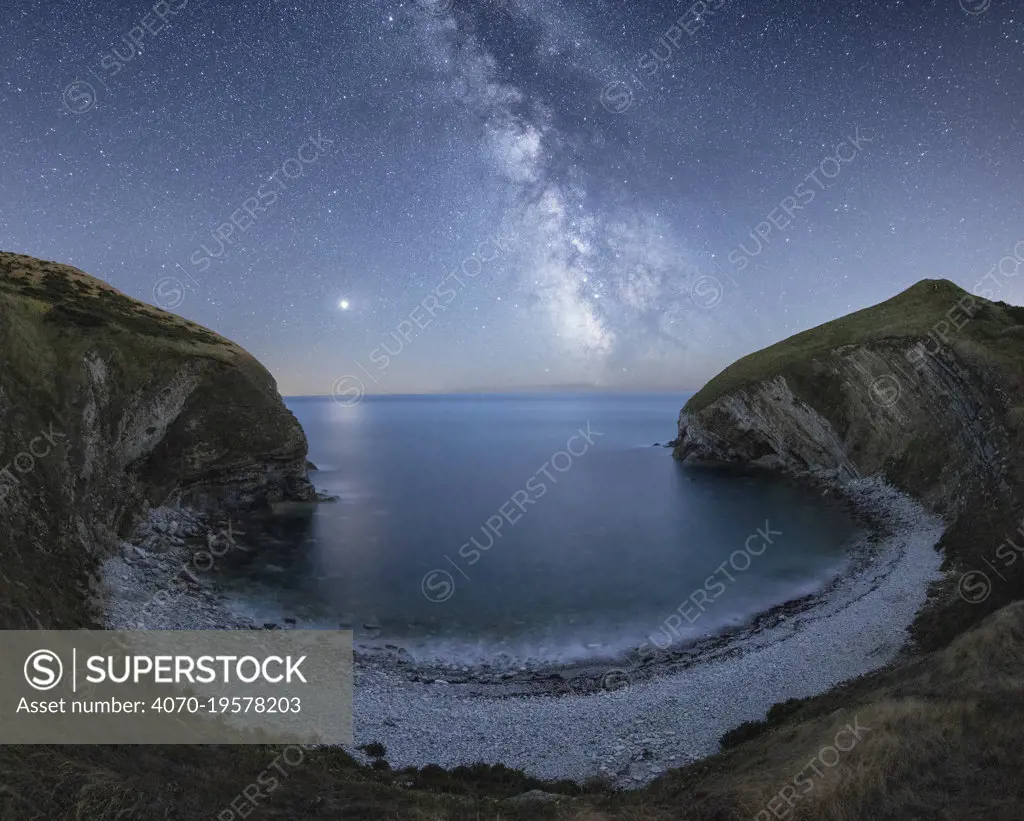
<point>586,554</point>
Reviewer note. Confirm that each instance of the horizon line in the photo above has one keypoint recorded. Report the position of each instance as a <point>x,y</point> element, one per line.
<point>496,392</point>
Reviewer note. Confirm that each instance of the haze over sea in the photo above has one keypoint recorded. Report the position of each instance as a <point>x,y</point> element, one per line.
<point>460,534</point>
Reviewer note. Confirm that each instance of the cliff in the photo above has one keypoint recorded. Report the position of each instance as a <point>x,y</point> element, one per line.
<point>925,390</point>
<point>110,405</point>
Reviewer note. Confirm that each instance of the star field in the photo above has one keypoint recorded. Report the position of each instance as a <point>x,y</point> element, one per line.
<point>591,193</point>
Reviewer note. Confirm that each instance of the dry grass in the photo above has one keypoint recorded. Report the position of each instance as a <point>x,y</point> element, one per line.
<point>992,333</point>
<point>944,741</point>
<point>51,283</point>
<point>939,739</point>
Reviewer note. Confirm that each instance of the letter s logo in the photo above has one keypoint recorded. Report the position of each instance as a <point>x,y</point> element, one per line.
<point>438,585</point>
<point>43,670</point>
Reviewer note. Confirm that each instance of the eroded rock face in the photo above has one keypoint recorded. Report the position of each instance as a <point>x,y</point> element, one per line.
<point>925,391</point>
<point>109,406</point>
<point>931,425</point>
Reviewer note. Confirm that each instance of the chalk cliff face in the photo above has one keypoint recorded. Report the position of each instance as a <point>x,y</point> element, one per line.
<point>923,390</point>
<point>109,405</point>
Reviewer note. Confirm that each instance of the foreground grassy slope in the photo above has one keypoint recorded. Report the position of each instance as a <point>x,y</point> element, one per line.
<point>936,737</point>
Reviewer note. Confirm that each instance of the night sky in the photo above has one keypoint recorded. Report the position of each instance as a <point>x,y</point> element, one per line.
<point>492,194</point>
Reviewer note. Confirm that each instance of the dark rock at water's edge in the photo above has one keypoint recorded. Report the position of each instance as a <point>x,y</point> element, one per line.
<point>311,466</point>
<point>111,406</point>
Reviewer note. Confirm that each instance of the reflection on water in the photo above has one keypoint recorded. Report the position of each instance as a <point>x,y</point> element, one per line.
<point>618,542</point>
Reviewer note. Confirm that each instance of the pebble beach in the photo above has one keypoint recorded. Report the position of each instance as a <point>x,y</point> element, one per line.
<point>670,712</point>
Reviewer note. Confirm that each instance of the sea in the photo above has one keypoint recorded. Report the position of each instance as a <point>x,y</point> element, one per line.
<point>526,529</point>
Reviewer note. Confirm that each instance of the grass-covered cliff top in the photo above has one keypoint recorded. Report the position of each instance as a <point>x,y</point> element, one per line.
<point>71,299</point>
<point>913,314</point>
<point>51,315</point>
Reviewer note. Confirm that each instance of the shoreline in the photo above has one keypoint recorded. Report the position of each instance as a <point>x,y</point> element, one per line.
<point>626,723</point>
<point>675,709</point>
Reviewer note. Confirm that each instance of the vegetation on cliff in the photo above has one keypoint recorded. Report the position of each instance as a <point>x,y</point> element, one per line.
<point>927,391</point>
<point>120,405</point>
<point>932,312</point>
<point>109,405</point>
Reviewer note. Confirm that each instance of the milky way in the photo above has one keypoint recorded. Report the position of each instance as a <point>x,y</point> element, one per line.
<point>453,195</point>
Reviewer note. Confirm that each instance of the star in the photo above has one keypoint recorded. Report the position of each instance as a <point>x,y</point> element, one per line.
<point>594,172</point>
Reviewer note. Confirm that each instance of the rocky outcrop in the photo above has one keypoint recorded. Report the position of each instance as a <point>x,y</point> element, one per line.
<point>936,420</point>
<point>110,406</point>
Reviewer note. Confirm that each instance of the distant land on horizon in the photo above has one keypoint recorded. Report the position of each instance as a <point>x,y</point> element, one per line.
<point>525,389</point>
